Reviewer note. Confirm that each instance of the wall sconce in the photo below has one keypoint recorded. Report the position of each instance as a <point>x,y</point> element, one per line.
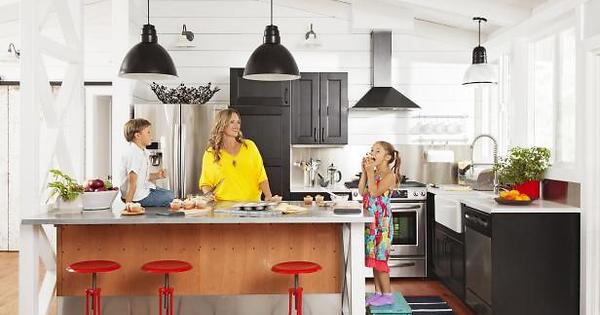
<point>14,51</point>
<point>310,38</point>
<point>185,38</point>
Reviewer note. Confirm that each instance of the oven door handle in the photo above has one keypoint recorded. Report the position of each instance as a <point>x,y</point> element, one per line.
<point>394,208</point>
<point>402,265</point>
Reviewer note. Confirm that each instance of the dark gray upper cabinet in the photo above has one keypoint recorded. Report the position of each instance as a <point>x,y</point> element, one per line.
<point>251,92</point>
<point>320,108</point>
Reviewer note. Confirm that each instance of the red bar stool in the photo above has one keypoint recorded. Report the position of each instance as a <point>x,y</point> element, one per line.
<point>165,294</point>
<point>92,295</point>
<point>295,268</point>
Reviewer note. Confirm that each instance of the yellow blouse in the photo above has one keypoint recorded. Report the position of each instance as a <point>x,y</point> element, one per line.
<point>241,173</point>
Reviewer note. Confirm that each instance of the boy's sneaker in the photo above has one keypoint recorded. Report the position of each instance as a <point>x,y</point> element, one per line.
<point>373,297</point>
<point>385,299</point>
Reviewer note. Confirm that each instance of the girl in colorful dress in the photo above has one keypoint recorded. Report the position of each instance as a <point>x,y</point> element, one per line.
<point>380,174</point>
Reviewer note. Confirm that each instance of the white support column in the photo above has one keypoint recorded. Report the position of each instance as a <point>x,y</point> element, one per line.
<point>122,94</point>
<point>356,268</point>
<point>29,270</point>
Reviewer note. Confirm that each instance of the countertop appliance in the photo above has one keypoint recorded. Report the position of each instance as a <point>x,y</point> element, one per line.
<point>408,251</point>
<point>478,255</point>
<point>182,132</point>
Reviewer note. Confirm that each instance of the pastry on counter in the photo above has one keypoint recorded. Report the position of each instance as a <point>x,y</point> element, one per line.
<point>176,204</point>
<point>308,199</point>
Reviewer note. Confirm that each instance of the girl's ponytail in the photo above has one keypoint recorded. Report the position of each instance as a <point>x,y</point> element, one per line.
<point>396,167</point>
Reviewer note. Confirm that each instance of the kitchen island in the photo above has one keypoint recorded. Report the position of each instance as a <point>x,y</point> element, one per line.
<point>231,254</point>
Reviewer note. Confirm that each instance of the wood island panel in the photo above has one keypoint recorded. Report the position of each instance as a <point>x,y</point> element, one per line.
<point>227,258</point>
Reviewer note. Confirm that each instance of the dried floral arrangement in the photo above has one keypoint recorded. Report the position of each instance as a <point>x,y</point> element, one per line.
<point>183,94</point>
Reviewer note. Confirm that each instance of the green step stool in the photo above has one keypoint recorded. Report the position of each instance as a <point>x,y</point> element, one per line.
<point>400,307</point>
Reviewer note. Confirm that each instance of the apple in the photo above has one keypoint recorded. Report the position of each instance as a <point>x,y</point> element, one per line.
<point>88,189</point>
<point>100,189</point>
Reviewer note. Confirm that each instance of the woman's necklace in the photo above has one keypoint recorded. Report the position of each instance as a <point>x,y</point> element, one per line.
<point>235,148</point>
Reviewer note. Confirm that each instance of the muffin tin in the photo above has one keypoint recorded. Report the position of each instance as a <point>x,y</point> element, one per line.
<point>255,206</point>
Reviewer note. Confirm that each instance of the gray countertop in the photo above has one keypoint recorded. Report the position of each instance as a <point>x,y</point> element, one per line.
<point>484,201</point>
<point>220,214</point>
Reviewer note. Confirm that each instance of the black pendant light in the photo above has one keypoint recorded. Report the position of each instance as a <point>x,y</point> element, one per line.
<point>480,72</point>
<point>148,60</point>
<point>271,61</point>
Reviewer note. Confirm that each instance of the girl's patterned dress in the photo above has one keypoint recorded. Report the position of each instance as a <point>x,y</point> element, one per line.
<point>378,234</point>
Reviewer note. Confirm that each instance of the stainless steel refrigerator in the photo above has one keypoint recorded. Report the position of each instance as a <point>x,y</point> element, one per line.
<point>181,132</point>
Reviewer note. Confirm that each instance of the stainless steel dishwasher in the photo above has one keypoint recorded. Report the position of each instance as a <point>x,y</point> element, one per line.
<point>478,256</point>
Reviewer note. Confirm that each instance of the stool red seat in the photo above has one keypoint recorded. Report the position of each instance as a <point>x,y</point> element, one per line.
<point>165,294</point>
<point>92,295</point>
<point>295,268</point>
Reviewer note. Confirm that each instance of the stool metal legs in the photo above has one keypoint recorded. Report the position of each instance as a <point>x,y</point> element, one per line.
<point>92,299</point>
<point>296,293</point>
<point>165,298</point>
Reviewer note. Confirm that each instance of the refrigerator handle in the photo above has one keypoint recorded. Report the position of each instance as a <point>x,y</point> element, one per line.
<point>176,177</point>
<point>183,162</point>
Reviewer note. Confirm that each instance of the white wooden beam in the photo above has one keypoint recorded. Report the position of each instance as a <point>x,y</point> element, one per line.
<point>540,20</point>
<point>496,12</point>
<point>367,14</point>
<point>59,51</point>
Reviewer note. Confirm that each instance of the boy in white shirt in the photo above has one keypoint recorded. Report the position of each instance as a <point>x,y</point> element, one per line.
<point>138,182</point>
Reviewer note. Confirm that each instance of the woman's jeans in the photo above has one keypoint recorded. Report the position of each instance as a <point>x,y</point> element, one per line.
<point>158,198</point>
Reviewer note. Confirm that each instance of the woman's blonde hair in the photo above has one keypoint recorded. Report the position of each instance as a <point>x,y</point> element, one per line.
<point>389,149</point>
<point>215,141</point>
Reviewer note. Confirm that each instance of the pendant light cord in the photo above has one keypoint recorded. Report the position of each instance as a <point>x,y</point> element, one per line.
<point>271,12</point>
<point>148,11</point>
<point>479,33</point>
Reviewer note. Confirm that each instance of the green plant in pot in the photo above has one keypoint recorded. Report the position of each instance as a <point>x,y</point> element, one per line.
<point>66,189</point>
<point>523,169</point>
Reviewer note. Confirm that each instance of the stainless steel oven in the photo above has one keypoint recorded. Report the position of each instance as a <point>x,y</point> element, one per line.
<point>408,220</point>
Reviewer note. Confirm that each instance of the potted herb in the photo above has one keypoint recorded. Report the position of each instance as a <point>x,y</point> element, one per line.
<point>523,169</point>
<point>66,190</point>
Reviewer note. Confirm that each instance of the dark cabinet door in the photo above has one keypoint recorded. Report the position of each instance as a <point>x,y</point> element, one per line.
<point>305,109</point>
<point>334,108</point>
<point>251,92</point>
<point>268,127</point>
<point>456,280</point>
<point>440,259</point>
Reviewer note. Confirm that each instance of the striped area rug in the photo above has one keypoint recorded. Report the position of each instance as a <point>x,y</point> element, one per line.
<point>431,305</point>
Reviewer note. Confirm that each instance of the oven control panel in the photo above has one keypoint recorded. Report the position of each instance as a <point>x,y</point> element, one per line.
<point>400,194</point>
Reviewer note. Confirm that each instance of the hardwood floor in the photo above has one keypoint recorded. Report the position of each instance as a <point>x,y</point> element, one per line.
<point>9,279</point>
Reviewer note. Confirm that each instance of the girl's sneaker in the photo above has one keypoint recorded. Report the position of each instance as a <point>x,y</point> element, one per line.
<point>373,297</point>
<point>385,299</point>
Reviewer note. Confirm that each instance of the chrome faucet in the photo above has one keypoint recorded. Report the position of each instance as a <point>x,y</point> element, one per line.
<point>495,153</point>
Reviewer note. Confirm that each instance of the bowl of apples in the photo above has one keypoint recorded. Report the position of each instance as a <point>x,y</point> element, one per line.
<point>98,194</point>
<point>513,197</point>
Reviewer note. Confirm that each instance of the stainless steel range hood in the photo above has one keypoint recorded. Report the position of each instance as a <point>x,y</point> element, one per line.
<point>382,95</point>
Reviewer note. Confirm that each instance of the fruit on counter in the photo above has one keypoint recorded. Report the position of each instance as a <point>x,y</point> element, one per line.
<point>97,184</point>
<point>514,195</point>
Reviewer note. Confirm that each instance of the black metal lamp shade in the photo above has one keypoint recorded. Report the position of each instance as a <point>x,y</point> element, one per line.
<point>148,60</point>
<point>480,72</point>
<point>271,61</point>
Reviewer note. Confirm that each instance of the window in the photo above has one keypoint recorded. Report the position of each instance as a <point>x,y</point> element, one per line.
<point>552,95</point>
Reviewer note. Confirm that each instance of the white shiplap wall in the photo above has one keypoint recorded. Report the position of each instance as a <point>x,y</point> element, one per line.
<point>427,66</point>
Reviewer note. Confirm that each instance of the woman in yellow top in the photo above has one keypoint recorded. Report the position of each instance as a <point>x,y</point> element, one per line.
<point>233,161</point>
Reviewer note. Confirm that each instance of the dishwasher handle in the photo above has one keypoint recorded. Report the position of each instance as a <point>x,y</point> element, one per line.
<point>478,221</point>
